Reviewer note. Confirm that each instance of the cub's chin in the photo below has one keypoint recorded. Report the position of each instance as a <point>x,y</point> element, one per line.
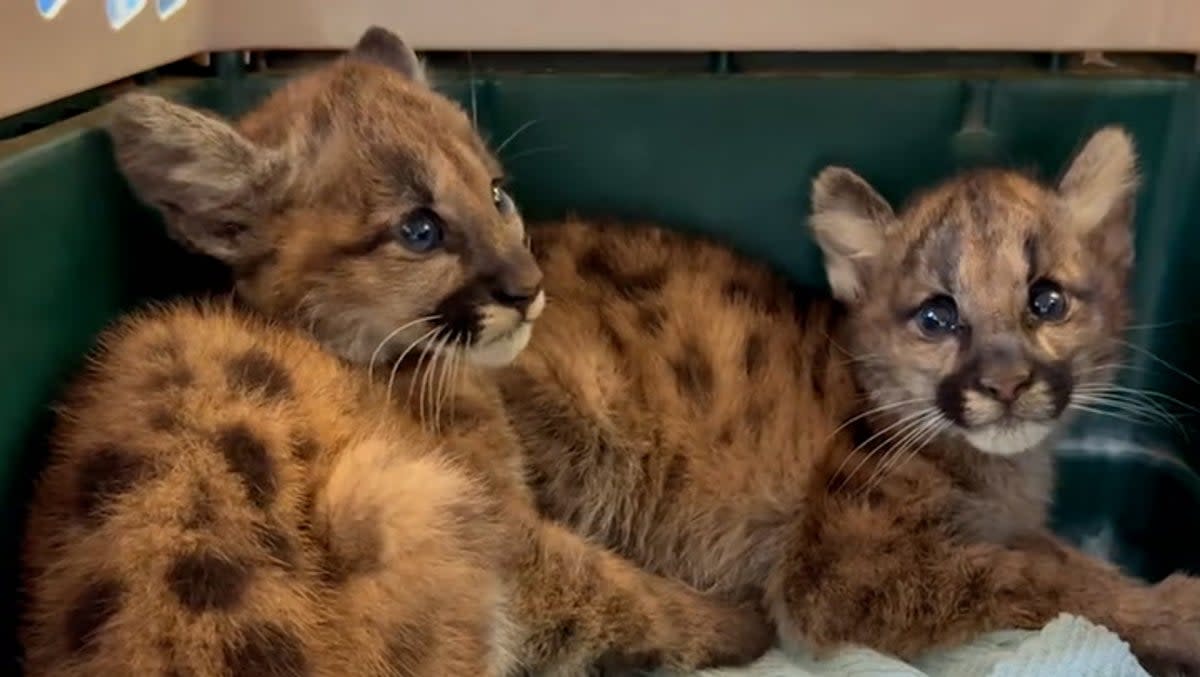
<point>500,350</point>
<point>1008,438</point>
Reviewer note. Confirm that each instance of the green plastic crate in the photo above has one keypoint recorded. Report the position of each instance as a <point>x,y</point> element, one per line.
<point>728,155</point>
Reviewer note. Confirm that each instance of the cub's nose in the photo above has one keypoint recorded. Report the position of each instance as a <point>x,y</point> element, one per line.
<point>517,286</point>
<point>1007,385</point>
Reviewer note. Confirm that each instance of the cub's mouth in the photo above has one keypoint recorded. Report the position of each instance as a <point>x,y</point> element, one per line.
<point>503,333</point>
<point>501,348</point>
<point>1009,436</point>
<point>1006,420</point>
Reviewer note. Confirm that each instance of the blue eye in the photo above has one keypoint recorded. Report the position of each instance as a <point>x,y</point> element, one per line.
<point>938,317</point>
<point>421,231</point>
<point>1047,301</point>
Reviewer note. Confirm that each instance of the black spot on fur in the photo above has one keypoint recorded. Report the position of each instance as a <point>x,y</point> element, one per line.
<point>976,593</point>
<point>725,437</point>
<point>694,373</point>
<point>675,477</point>
<point>596,265</point>
<point>614,340</point>
<point>638,284</point>
<point>103,477</point>
<point>255,370</point>
<point>164,420</point>
<point>305,448</point>
<point>248,457</point>
<point>556,640</point>
<point>277,544</point>
<point>755,353</point>
<point>651,319</point>
<point>93,607</point>
<point>757,413</point>
<point>867,603</point>
<point>266,650</point>
<point>743,292</point>
<point>176,376</point>
<point>202,581</point>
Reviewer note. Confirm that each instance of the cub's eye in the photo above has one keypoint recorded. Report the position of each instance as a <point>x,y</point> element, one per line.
<point>1047,301</point>
<point>421,231</point>
<point>500,198</point>
<point>938,317</point>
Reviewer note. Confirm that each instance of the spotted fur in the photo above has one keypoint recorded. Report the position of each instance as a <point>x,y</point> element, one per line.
<point>870,483</point>
<point>249,489</point>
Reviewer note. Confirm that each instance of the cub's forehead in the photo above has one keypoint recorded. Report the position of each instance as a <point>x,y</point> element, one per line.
<point>355,122</point>
<point>981,231</point>
<point>985,202</point>
<point>368,104</point>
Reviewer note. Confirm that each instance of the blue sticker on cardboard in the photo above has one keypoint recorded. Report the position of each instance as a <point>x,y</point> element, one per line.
<point>168,7</point>
<point>50,8</point>
<point>121,12</point>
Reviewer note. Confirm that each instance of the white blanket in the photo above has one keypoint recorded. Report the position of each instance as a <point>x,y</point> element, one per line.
<point>1069,646</point>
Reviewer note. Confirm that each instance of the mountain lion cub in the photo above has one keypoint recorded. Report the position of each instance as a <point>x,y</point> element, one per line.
<point>227,496</point>
<point>876,470</point>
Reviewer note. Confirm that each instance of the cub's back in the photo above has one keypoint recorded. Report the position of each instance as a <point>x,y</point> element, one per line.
<point>670,360</point>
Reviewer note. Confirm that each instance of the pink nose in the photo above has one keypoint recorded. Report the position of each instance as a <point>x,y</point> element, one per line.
<point>1006,386</point>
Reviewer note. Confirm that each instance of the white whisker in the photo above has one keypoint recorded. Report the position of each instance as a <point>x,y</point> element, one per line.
<point>1147,353</point>
<point>399,360</point>
<point>514,135</point>
<point>928,432</point>
<point>389,337</point>
<point>903,424</point>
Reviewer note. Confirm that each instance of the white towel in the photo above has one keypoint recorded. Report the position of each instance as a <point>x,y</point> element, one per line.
<point>1068,646</point>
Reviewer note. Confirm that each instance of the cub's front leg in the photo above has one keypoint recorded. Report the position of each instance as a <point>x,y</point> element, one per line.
<point>583,606</point>
<point>888,571</point>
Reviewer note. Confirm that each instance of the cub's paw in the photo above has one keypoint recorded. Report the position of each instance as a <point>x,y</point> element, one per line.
<point>713,636</point>
<point>1167,644</point>
<point>742,636</point>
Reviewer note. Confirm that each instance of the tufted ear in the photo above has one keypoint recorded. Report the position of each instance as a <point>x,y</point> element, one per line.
<point>211,184</point>
<point>849,219</point>
<point>379,45</point>
<point>1097,194</point>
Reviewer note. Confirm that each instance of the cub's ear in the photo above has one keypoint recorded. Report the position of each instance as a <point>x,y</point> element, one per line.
<point>849,220</point>
<point>1097,194</point>
<point>1101,181</point>
<point>212,185</point>
<point>381,46</point>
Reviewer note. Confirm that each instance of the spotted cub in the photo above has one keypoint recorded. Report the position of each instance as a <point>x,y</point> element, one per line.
<point>237,488</point>
<point>876,469</point>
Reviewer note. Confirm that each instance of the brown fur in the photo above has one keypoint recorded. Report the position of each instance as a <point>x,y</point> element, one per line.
<point>681,405</point>
<point>227,496</point>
